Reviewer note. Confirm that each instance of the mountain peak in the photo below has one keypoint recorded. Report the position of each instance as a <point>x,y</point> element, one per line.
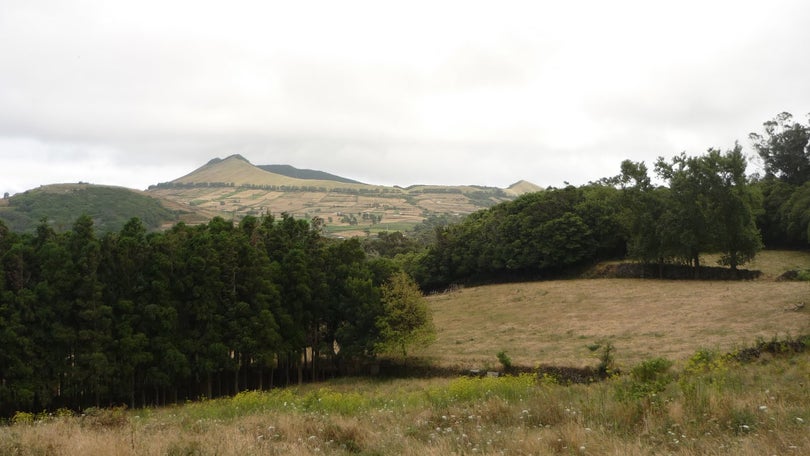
<point>520,187</point>
<point>214,161</point>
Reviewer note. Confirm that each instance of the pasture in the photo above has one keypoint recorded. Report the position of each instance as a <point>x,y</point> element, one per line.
<point>555,322</point>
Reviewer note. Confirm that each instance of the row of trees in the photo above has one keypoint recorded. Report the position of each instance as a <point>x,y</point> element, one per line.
<point>145,318</point>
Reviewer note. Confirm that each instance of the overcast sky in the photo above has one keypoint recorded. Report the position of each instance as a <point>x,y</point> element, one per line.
<point>395,93</point>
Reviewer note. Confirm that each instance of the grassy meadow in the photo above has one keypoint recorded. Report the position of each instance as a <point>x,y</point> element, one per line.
<point>678,392</point>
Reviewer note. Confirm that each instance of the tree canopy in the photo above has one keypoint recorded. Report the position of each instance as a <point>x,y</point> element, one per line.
<point>784,147</point>
<point>148,318</point>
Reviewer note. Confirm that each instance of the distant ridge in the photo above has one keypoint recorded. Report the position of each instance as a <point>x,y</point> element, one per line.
<point>237,171</point>
<point>307,174</point>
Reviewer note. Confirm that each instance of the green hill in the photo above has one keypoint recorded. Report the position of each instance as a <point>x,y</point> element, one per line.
<point>62,204</point>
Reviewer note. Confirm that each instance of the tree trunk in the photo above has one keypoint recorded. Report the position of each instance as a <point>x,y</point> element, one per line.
<point>287,369</point>
<point>132,393</point>
<point>300,373</point>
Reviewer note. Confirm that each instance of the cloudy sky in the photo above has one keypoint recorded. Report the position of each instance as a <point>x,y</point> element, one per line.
<point>395,93</point>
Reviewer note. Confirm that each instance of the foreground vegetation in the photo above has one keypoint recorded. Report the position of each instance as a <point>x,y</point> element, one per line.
<point>713,405</point>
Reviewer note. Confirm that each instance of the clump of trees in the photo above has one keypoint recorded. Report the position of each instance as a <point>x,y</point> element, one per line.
<point>148,318</point>
<point>706,205</point>
<point>534,234</point>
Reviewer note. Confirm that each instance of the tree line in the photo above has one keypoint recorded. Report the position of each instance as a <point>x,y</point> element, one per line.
<point>691,206</point>
<point>707,205</point>
<point>143,318</point>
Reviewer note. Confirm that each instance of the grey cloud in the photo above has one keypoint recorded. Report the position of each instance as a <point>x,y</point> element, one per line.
<point>449,93</point>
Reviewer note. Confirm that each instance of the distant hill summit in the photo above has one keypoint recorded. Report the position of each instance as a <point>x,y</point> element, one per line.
<point>216,160</point>
<point>520,187</point>
<point>237,171</point>
<point>306,174</point>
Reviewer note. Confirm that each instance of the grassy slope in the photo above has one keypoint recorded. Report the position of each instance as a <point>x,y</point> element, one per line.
<point>554,322</point>
<point>721,409</point>
<point>239,171</point>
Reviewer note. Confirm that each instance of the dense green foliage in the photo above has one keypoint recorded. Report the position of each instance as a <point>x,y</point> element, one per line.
<point>406,321</point>
<point>141,318</point>
<point>535,233</point>
<point>784,148</point>
<point>708,206</point>
<point>110,208</point>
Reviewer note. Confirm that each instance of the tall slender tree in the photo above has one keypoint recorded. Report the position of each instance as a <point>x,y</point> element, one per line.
<point>784,147</point>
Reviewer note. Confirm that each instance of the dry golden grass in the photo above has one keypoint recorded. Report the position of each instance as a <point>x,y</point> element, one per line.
<point>554,322</point>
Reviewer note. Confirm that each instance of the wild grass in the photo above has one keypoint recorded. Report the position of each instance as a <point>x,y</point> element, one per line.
<point>555,322</point>
<point>713,405</point>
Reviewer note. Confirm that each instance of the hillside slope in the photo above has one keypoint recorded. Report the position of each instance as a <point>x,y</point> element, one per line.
<point>233,187</point>
<point>554,322</point>
<point>110,208</point>
<point>307,174</point>
<point>237,171</point>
